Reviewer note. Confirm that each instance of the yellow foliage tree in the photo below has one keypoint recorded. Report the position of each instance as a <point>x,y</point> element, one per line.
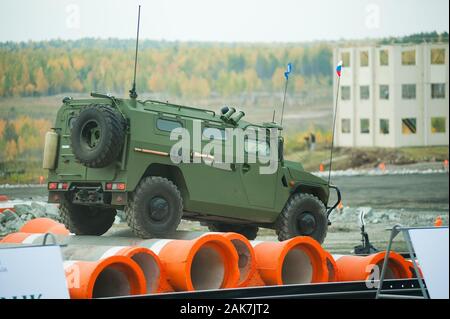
<point>11,150</point>
<point>41,82</point>
<point>2,127</point>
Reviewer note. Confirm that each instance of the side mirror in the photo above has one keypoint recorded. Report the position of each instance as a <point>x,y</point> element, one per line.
<point>281,149</point>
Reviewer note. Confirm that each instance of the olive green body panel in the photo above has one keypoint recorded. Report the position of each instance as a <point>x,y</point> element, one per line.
<point>235,191</point>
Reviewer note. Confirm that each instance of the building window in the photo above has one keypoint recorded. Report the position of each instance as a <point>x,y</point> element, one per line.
<point>409,126</point>
<point>438,124</point>
<point>409,57</point>
<point>364,57</point>
<point>346,129</point>
<point>365,126</point>
<point>167,125</point>
<point>438,90</point>
<point>437,56</point>
<point>408,91</point>
<point>384,92</point>
<point>384,57</point>
<point>345,57</point>
<point>364,92</point>
<point>384,126</point>
<point>345,93</point>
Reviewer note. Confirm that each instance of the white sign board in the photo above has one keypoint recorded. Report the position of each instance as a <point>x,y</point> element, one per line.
<point>431,248</point>
<point>32,273</point>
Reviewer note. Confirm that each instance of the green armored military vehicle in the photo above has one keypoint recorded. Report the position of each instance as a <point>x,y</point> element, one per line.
<point>107,154</point>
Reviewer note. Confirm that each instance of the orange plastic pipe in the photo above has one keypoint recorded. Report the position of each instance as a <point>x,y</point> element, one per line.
<point>146,259</point>
<point>207,262</point>
<point>109,277</point>
<point>255,280</point>
<point>358,268</point>
<point>411,269</point>
<point>15,238</point>
<point>294,261</point>
<point>333,271</point>
<point>59,229</point>
<point>246,257</point>
<point>38,225</point>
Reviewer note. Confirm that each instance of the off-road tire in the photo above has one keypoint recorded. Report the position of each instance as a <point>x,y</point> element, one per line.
<point>101,151</point>
<point>86,220</point>
<point>287,225</point>
<point>138,210</point>
<point>250,232</point>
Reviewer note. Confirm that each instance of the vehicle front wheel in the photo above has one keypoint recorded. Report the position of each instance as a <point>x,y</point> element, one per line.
<point>303,215</point>
<point>86,220</point>
<point>155,208</point>
<point>250,232</point>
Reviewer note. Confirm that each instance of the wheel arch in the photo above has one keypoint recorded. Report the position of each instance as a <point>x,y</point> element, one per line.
<point>319,191</point>
<point>172,173</point>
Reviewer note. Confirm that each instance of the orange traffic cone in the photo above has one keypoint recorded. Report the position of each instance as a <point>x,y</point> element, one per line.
<point>321,168</point>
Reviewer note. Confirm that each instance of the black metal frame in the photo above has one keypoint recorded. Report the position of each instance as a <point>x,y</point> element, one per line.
<point>338,290</point>
<point>339,197</point>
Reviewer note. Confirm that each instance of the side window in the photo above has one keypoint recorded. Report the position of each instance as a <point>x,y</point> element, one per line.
<point>364,92</point>
<point>384,126</point>
<point>364,58</point>
<point>167,125</point>
<point>345,57</point>
<point>437,56</point>
<point>408,91</point>
<point>384,57</point>
<point>384,92</point>
<point>409,57</point>
<point>409,126</point>
<point>253,146</point>
<point>345,93</point>
<point>345,126</point>
<point>213,133</point>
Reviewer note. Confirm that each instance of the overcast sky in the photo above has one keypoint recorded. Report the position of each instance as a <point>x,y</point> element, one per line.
<point>226,20</point>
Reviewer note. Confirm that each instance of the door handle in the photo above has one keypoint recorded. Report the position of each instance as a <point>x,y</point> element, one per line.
<point>245,167</point>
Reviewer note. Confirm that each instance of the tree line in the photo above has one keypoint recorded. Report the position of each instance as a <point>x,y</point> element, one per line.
<point>179,69</point>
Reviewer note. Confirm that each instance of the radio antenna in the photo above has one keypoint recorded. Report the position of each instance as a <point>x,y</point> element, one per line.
<point>133,93</point>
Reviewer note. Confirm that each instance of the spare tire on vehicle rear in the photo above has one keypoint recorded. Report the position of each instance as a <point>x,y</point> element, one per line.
<point>97,136</point>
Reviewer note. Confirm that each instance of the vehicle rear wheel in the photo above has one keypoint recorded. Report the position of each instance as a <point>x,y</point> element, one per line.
<point>86,220</point>
<point>303,215</point>
<point>155,209</point>
<point>250,232</point>
<point>97,136</point>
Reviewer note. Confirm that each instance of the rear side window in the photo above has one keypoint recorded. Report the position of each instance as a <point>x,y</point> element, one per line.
<point>261,147</point>
<point>167,125</point>
<point>213,133</point>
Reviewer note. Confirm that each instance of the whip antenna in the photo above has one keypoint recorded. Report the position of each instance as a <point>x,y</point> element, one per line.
<point>133,93</point>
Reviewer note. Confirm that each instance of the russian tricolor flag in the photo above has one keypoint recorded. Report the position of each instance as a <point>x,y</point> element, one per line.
<point>339,69</point>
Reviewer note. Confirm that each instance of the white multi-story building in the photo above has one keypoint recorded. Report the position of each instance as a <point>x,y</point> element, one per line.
<point>393,96</point>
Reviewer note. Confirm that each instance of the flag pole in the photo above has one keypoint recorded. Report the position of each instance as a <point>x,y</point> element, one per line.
<point>338,70</point>
<point>286,75</point>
